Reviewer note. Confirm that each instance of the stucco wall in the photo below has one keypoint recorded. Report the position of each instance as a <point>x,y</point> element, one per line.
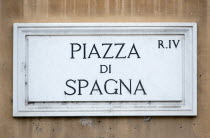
<point>105,11</point>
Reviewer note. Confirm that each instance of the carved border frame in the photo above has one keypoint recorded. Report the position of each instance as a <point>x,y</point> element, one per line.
<point>22,107</point>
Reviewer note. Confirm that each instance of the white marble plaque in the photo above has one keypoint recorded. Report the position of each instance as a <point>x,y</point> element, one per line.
<point>105,69</point>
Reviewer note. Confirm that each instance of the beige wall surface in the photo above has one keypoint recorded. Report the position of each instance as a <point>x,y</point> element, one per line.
<point>45,11</point>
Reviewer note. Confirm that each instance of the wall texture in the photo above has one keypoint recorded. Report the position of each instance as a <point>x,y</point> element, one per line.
<point>105,11</point>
